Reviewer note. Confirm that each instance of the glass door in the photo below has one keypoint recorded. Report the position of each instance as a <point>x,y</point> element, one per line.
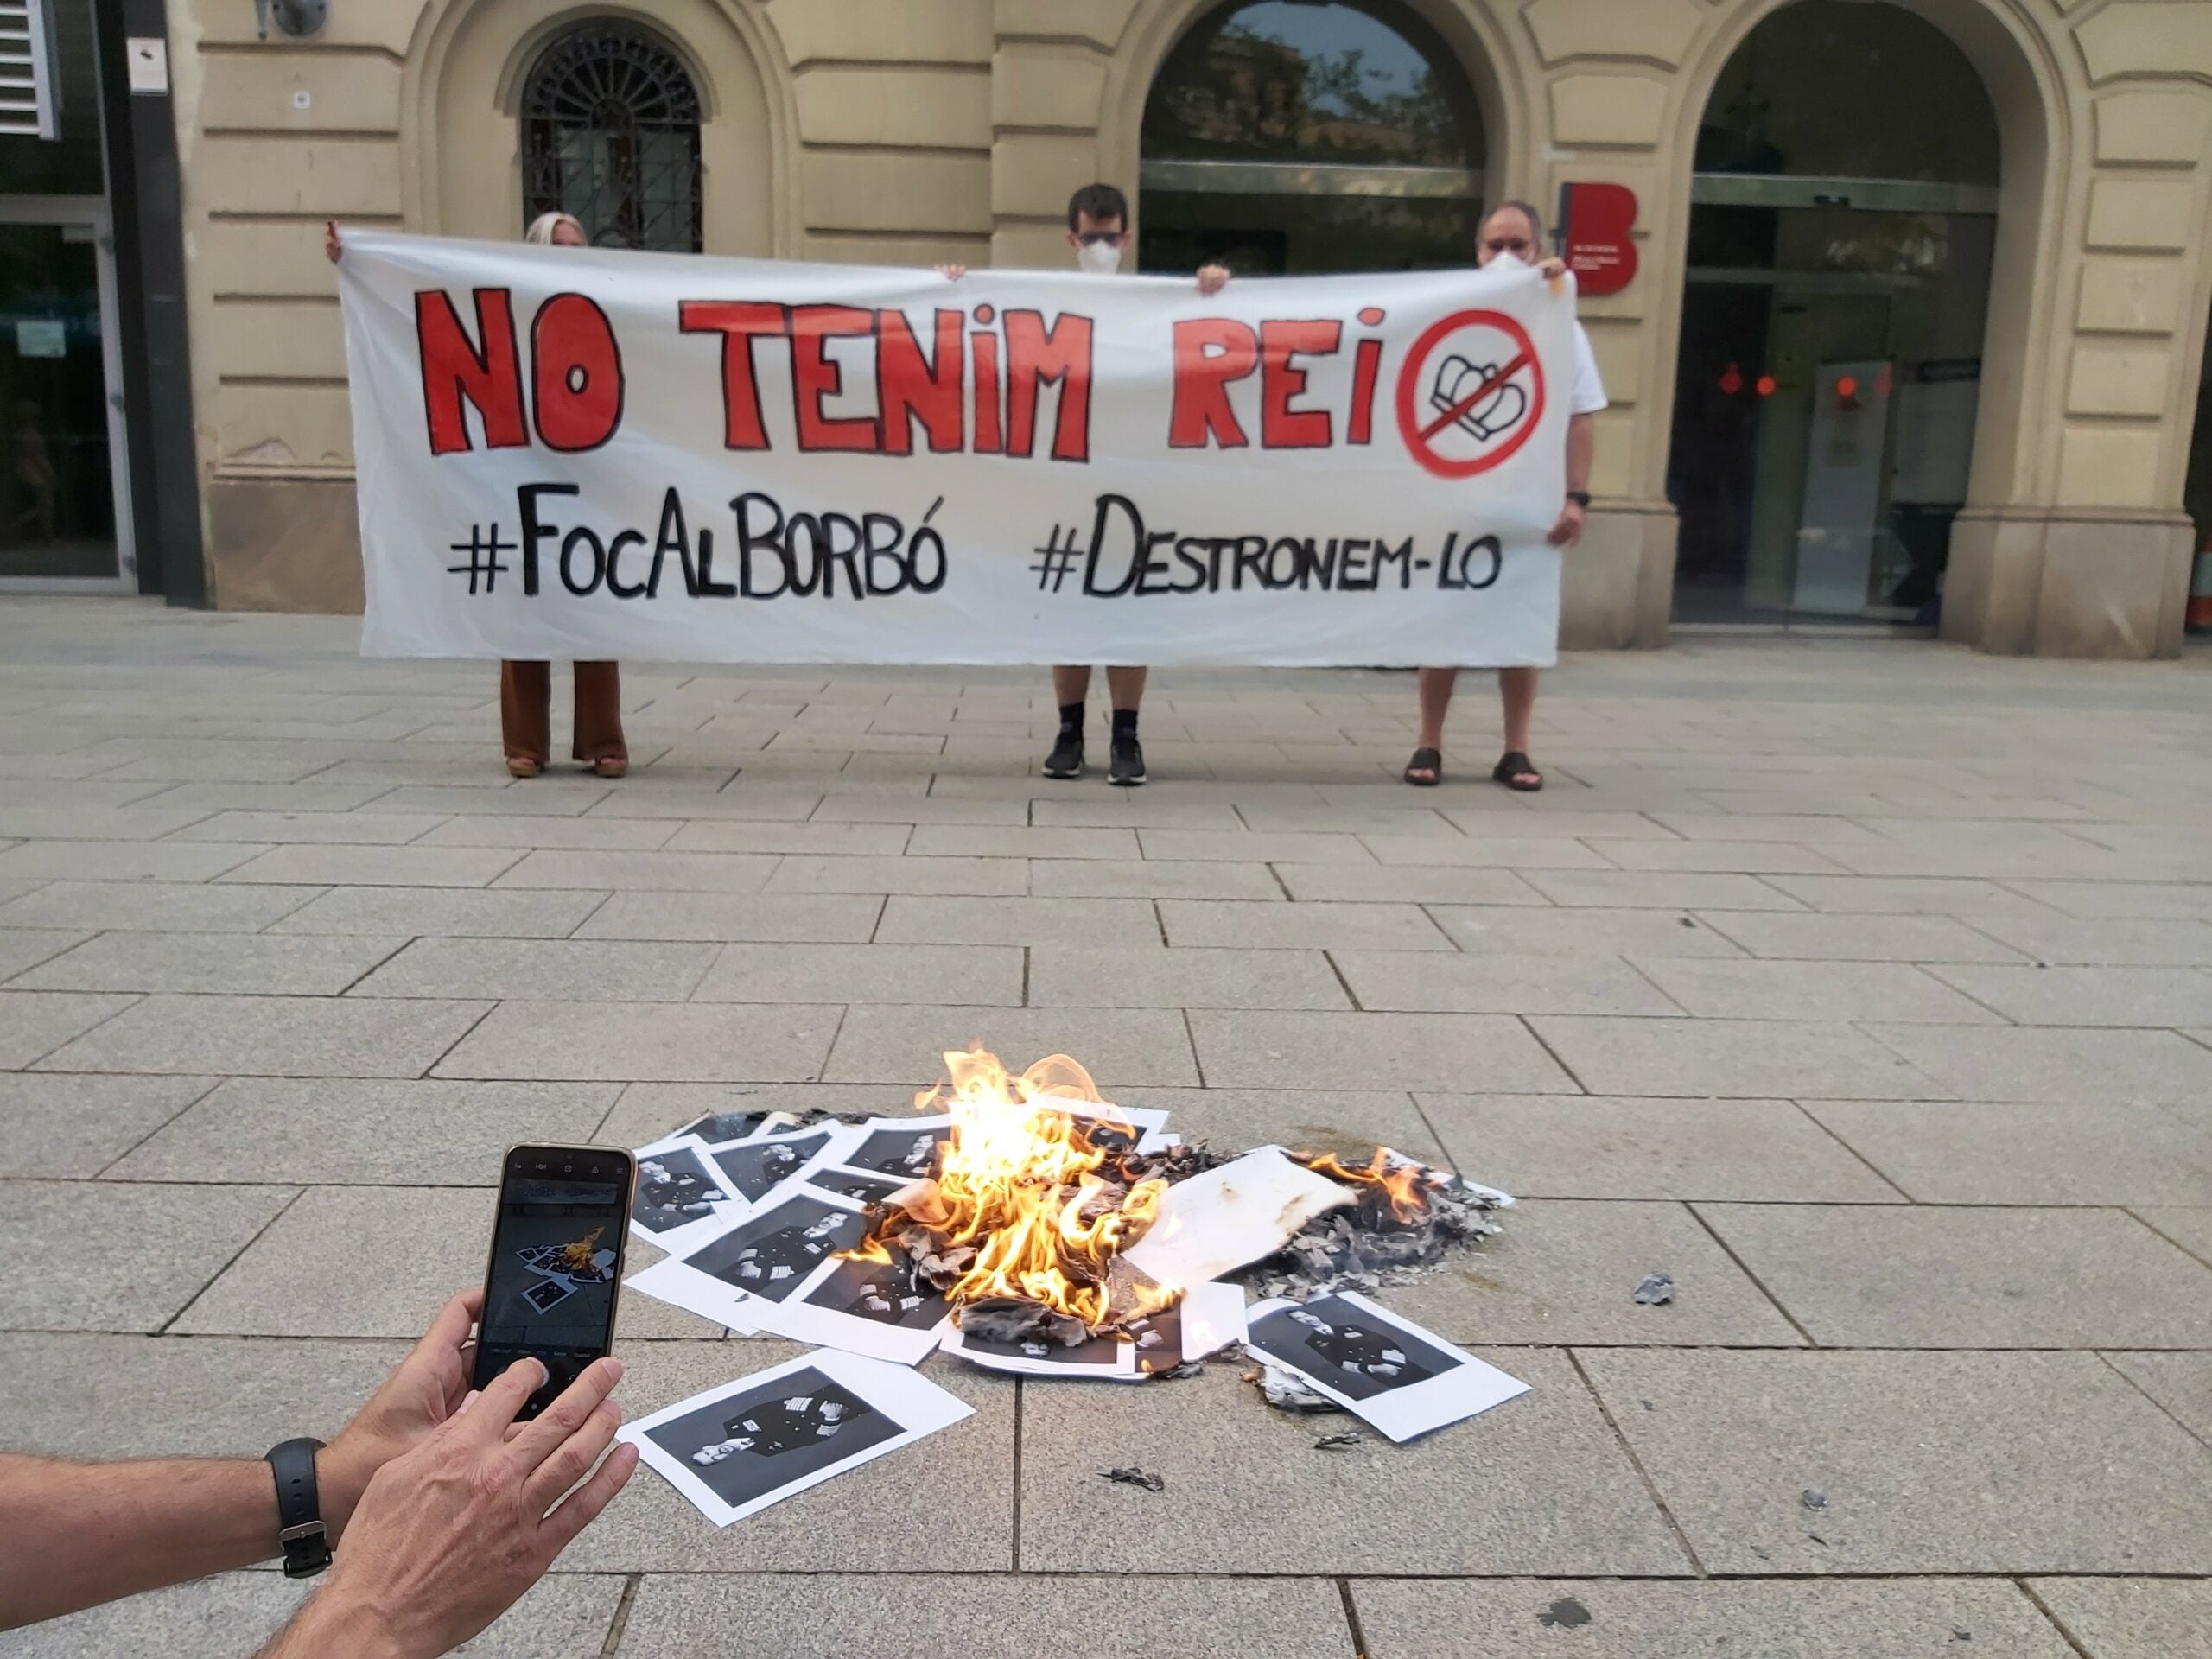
<point>1825,399</point>
<point>63,514</point>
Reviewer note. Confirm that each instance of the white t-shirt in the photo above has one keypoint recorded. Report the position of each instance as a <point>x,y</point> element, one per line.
<point>1589,394</point>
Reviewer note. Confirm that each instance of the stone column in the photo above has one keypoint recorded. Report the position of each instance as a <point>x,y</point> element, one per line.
<point>1048,83</point>
<point>2084,550</point>
<point>1609,73</point>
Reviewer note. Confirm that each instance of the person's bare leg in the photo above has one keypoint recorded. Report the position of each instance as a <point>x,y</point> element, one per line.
<point>1071,684</point>
<point>1435,688</point>
<point>1125,686</point>
<point>1516,691</point>
<point>1436,685</point>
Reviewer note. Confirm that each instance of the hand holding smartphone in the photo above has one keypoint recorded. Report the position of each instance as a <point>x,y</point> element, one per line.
<point>557,1247</point>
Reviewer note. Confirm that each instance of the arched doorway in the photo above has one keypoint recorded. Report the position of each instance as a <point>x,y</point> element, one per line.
<point>2196,495</point>
<point>610,133</point>
<point>1283,137</point>
<point>1842,229</point>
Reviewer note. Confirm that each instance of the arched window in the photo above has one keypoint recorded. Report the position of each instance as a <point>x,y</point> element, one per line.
<point>1287,136</point>
<point>610,132</point>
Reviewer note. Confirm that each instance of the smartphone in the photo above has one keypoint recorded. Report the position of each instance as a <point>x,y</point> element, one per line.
<point>556,1263</point>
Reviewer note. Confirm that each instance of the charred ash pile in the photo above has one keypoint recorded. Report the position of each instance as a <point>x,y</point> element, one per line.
<point>1390,1235</point>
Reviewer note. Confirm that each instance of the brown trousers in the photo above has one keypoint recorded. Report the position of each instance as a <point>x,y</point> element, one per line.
<point>525,712</point>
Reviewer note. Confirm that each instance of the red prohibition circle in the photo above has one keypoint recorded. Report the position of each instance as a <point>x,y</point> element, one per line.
<point>1409,378</point>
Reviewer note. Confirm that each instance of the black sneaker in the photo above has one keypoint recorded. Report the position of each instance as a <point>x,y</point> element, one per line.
<point>1126,766</point>
<point>1066,758</point>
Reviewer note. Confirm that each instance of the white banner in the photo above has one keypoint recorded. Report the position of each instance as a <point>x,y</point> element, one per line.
<point>570,452</point>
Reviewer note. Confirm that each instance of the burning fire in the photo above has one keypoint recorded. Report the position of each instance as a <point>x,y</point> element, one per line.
<point>1024,1204</point>
<point>1379,1182</point>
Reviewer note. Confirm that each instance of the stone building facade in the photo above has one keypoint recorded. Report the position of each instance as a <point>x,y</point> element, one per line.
<point>2064,250</point>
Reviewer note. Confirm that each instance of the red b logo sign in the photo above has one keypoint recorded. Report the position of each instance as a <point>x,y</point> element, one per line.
<point>1595,222</point>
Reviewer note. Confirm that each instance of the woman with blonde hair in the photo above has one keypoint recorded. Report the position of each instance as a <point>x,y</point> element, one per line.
<point>526,687</point>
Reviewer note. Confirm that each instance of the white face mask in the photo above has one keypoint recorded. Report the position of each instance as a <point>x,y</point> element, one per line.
<point>1099,258</point>
<point>1508,261</point>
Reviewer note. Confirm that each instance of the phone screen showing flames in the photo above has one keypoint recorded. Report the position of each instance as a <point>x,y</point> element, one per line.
<point>550,1293</point>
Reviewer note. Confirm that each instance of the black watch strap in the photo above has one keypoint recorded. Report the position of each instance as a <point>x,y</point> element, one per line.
<point>1580,498</point>
<point>299,1510</point>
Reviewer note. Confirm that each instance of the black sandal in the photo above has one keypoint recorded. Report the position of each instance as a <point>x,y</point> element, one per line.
<point>1512,766</point>
<point>1427,760</point>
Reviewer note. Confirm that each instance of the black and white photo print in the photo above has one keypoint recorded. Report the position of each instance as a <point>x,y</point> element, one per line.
<point>1401,1378</point>
<point>736,1449</point>
<point>682,1196</point>
<point>873,1306</point>
<point>546,1292</point>
<point>771,1252</point>
<point>1103,1357</point>
<point>716,1127</point>
<point>1358,1355</point>
<point>756,1167</point>
<point>746,1445</point>
<point>903,1147</point>
<point>888,1293</point>
<point>865,1186</point>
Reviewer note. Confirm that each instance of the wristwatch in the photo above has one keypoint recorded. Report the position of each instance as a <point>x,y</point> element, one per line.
<point>1580,498</point>
<point>299,1512</point>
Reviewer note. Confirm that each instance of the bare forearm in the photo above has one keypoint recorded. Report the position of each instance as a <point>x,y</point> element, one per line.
<point>1581,446</point>
<point>81,1533</point>
<point>332,1625</point>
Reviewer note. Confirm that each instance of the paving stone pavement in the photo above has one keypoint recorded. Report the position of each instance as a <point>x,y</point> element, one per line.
<point>1865,987</point>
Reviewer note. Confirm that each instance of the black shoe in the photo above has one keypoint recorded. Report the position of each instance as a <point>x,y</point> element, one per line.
<point>1066,758</point>
<point>1126,764</point>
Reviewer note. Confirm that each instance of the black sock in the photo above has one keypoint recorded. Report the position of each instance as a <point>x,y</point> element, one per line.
<point>1071,719</point>
<point>1125,725</point>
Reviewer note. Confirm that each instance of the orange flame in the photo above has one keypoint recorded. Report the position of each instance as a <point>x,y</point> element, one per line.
<point>575,1257</point>
<point>1398,1185</point>
<point>1019,1181</point>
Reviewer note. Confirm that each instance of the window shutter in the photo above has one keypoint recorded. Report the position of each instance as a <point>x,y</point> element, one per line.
<point>30,84</point>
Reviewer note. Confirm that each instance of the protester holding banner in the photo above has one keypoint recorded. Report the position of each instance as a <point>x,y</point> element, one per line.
<point>586,454</point>
<point>1514,231</point>
<point>1098,231</point>
<point>526,687</point>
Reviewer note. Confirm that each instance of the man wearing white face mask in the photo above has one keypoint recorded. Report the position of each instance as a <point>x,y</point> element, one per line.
<point>1098,231</point>
<point>1513,232</point>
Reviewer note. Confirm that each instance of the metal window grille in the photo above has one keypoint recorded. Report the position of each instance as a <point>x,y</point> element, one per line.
<point>610,132</point>
<point>30,81</point>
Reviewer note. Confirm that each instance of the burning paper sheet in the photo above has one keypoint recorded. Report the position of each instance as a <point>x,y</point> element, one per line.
<point>734,1449</point>
<point>681,1197</point>
<point>1393,1373</point>
<point>1118,1128</point>
<point>1215,1222</point>
<point>1207,1318</point>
